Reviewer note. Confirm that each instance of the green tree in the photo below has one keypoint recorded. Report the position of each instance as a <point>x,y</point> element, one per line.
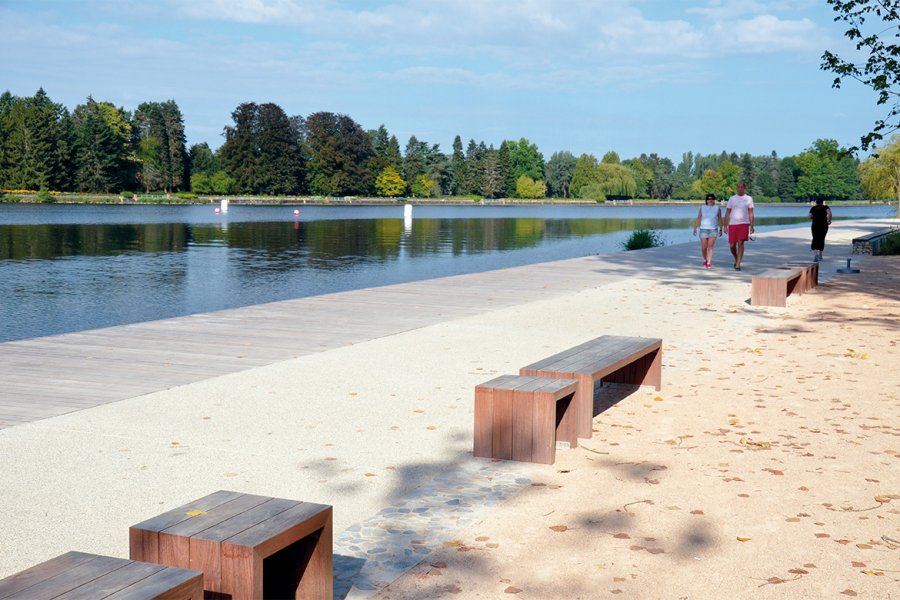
<point>338,151</point>
<point>616,181</point>
<point>869,22</point>
<point>610,158</point>
<point>30,140</point>
<point>202,159</point>
<point>584,176</point>
<point>475,156</point>
<point>880,173</point>
<point>560,169</point>
<point>525,159</point>
<point>458,167</point>
<point>424,187</point>
<point>104,154</point>
<point>642,176</point>
<point>827,171</point>
<point>711,182</point>
<point>493,175</point>
<point>389,183</point>
<point>526,187</point>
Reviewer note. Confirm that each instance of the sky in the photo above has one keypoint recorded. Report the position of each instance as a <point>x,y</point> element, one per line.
<point>584,76</point>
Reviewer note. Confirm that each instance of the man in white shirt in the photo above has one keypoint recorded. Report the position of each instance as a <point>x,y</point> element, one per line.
<point>739,222</point>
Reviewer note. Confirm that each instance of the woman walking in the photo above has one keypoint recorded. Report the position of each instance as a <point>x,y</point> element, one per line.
<point>710,221</point>
<point>820,215</point>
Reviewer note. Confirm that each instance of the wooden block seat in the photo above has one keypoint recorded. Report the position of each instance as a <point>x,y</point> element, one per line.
<point>772,287</point>
<point>521,418</point>
<point>249,547</point>
<point>83,576</point>
<point>611,358</point>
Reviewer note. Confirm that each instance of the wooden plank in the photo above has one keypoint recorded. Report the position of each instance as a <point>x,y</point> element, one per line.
<point>130,574</point>
<point>522,425</point>
<point>41,572</point>
<point>544,429</point>
<point>484,425</point>
<point>64,580</point>
<point>501,424</point>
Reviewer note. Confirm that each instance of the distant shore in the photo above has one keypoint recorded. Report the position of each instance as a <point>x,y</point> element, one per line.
<point>172,199</point>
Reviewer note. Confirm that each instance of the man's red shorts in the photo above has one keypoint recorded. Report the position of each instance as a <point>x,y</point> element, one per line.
<point>738,233</point>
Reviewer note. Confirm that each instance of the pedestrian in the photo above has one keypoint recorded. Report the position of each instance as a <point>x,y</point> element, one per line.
<point>820,215</point>
<point>739,222</point>
<point>709,219</point>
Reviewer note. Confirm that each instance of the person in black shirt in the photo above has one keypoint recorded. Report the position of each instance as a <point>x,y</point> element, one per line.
<point>820,215</point>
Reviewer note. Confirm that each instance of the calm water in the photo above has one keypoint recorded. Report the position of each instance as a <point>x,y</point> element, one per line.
<point>70,268</point>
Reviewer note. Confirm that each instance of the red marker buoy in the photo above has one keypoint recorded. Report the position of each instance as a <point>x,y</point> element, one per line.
<point>218,211</point>
<point>296,212</point>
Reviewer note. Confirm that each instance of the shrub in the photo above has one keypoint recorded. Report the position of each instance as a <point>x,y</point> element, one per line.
<point>44,196</point>
<point>890,244</point>
<point>643,238</point>
<point>185,195</point>
<point>10,199</point>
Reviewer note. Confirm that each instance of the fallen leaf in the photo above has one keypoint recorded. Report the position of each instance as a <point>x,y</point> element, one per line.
<point>622,536</point>
<point>798,571</point>
<point>697,512</point>
<point>849,592</point>
<point>743,539</point>
<point>370,475</point>
<point>512,590</point>
<point>658,399</point>
<point>856,563</point>
<point>559,528</point>
<point>774,471</point>
<point>195,513</point>
<point>439,564</point>
<point>822,535</point>
<point>432,427</point>
<point>874,573</point>
<point>864,546</point>
<point>775,580</point>
<point>882,499</point>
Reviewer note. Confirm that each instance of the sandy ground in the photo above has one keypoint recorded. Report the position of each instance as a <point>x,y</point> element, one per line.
<point>766,467</point>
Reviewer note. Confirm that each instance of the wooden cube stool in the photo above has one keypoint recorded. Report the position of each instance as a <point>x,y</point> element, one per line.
<point>520,417</point>
<point>250,547</point>
<point>82,576</point>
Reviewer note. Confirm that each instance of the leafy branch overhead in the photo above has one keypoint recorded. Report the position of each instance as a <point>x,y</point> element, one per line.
<point>873,26</point>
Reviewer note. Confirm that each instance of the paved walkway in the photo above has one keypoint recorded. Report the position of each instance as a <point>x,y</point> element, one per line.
<point>49,376</point>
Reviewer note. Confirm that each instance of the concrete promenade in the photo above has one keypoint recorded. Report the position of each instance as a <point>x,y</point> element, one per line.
<point>363,400</point>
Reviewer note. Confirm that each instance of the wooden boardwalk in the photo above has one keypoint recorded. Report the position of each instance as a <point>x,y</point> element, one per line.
<point>49,376</point>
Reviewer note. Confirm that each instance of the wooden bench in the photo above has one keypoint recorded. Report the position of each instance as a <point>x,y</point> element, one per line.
<point>772,287</point>
<point>610,358</point>
<point>247,546</point>
<point>521,418</point>
<point>809,277</point>
<point>82,576</point>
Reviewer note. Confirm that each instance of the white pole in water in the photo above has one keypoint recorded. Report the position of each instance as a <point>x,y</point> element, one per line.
<point>224,205</point>
<point>407,216</point>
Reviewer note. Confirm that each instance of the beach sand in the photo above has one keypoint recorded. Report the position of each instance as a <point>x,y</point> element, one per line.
<point>767,466</point>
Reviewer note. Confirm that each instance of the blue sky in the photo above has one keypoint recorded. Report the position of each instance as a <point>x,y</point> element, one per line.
<point>664,76</point>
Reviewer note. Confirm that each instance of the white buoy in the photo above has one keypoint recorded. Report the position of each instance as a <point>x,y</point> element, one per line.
<point>218,210</point>
<point>407,216</point>
<point>296,212</point>
<point>224,205</point>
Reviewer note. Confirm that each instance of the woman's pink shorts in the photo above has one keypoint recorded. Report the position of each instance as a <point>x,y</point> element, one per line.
<point>738,233</point>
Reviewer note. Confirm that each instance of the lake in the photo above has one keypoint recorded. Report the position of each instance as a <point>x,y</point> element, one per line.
<point>68,268</point>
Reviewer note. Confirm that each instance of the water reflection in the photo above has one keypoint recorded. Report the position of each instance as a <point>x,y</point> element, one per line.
<point>319,242</point>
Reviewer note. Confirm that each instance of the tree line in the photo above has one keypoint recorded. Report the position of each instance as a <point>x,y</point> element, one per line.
<point>101,148</point>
